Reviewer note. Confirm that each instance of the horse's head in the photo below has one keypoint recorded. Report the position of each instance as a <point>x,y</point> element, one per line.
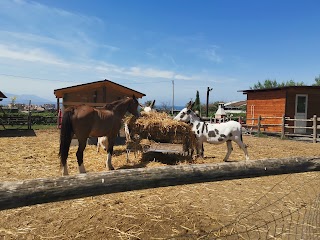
<point>133,106</point>
<point>185,114</point>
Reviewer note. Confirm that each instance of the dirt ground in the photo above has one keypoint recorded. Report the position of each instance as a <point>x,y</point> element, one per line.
<point>275,206</point>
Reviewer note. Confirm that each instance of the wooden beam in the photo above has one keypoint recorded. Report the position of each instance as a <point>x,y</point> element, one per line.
<point>86,103</point>
<point>30,192</point>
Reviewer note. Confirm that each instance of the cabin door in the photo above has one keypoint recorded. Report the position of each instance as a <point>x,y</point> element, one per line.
<point>301,112</point>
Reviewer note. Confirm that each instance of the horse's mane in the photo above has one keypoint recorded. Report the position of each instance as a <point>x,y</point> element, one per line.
<point>110,106</point>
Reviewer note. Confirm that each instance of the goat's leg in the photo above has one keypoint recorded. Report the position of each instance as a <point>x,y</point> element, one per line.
<point>229,146</point>
<point>128,152</point>
<point>200,149</point>
<point>98,146</point>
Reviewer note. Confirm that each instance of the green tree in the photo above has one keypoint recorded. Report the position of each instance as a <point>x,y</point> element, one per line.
<point>13,101</point>
<point>290,83</point>
<point>197,104</point>
<point>212,107</point>
<point>317,81</point>
<point>273,84</point>
<point>147,103</point>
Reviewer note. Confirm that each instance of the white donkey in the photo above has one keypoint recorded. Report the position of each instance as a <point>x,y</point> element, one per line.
<point>213,133</point>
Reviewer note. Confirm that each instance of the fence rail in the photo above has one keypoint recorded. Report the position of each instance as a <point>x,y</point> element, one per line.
<point>285,126</point>
<point>22,121</point>
<point>18,121</point>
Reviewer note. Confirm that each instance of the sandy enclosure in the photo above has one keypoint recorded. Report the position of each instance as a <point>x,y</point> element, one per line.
<point>278,206</point>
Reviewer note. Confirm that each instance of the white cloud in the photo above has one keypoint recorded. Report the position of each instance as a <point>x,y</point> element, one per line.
<point>30,55</point>
<point>149,72</point>
<point>212,55</point>
<point>40,42</point>
<point>182,77</point>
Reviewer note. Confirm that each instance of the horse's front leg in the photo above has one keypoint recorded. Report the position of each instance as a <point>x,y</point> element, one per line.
<point>109,155</point>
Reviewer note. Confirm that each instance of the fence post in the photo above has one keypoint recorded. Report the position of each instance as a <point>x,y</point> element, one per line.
<point>29,116</point>
<point>283,126</point>
<point>259,125</point>
<point>314,128</point>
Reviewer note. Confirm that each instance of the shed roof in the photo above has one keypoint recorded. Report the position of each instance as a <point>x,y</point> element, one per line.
<point>279,88</point>
<point>2,96</point>
<point>103,83</point>
<point>236,103</point>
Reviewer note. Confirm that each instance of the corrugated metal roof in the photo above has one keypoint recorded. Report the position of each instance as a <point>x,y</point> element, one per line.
<point>278,88</point>
<point>236,103</point>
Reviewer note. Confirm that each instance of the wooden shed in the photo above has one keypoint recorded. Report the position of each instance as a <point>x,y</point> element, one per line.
<point>95,94</point>
<point>296,102</point>
<point>2,96</point>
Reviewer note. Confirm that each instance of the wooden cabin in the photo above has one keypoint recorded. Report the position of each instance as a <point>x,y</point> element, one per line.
<point>296,102</point>
<point>95,94</point>
<point>2,96</point>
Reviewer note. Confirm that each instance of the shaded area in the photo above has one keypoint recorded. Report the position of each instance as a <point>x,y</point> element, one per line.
<point>17,133</point>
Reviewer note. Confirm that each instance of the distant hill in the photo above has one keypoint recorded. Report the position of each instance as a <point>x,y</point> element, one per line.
<point>25,98</point>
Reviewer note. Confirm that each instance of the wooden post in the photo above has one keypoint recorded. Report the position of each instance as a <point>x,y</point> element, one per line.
<point>314,128</point>
<point>29,116</point>
<point>259,125</point>
<point>30,192</point>
<point>283,135</point>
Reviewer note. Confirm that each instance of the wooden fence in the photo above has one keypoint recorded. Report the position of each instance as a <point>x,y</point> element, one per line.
<point>262,126</point>
<point>15,121</point>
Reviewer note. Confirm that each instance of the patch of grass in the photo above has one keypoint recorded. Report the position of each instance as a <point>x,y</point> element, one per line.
<point>34,127</point>
<point>262,135</point>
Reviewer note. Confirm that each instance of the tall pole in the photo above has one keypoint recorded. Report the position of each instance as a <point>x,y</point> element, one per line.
<point>172,97</point>
<point>207,108</point>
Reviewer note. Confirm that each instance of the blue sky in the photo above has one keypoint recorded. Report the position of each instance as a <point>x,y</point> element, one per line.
<point>145,44</point>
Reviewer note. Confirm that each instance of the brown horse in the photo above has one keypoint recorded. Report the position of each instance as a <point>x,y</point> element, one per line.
<point>85,121</point>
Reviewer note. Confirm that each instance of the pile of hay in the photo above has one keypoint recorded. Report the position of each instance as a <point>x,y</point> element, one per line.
<point>160,127</point>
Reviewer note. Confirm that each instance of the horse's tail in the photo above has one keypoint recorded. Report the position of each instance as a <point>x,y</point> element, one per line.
<point>66,134</point>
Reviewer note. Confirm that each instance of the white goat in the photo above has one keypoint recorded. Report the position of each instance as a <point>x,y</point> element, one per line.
<point>103,142</point>
<point>213,133</point>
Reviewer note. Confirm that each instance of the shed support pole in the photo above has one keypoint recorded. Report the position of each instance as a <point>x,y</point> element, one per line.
<point>259,125</point>
<point>58,105</point>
